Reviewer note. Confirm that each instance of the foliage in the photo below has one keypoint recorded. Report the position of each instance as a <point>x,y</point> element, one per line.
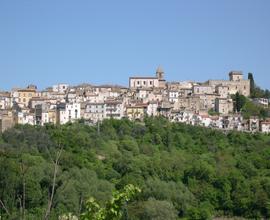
<point>239,102</point>
<point>183,171</point>
<point>248,108</point>
<point>256,91</point>
<point>113,209</point>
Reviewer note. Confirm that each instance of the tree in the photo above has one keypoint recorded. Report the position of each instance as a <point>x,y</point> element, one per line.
<point>252,84</point>
<point>113,209</point>
<point>240,101</point>
<point>153,209</point>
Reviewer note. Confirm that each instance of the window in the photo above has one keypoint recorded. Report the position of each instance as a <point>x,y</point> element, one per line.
<point>138,82</point>
<point>144,82</point>
<point>151,82</point>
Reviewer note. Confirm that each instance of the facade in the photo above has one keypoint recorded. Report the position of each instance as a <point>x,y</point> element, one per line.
<point>68,112</point>
<point>222,91</point>
<point>7,120</point>
<point>60,88</point>
<point>25,95</point>
<point>143,82</point>
<point>224,106</point>
<point>261,101</point>
<point>236,83</point>
<point>136,112</point>
<point>265,127</point>
<point>5,100</point>
<point>202,89</point>
<point>94,111</point>
<point>173,96</point>
<point>158,81</point>
<point>114,109</point>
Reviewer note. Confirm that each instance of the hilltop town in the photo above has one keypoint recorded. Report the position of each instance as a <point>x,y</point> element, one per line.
<point>208,104</point>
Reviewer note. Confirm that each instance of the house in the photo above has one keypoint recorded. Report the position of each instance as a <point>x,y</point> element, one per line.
<point>173,96</point>
<point>261,101</point>
<point>152,108</point>
<point>94,111</point>
<point>222,91</point>
<point>137,111</point>
<point>67,112</point>
<point>164,109</point>
<point>265,126</point>
<point>253,124</point>
<point>60,88</point>
<point>114,109</point>
<point>223,106</point>
<point>202,89</point>
<point>5,100</point>
<point>25,95</point>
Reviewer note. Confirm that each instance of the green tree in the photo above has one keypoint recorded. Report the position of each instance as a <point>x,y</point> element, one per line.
<point>153,209</point>
<point>252,84</point>
<point>113,209</point>
<point>240,101</point>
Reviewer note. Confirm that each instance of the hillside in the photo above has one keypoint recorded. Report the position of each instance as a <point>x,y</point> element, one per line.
<point>184,171</point>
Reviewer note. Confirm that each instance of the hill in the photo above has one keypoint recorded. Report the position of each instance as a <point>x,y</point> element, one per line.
<point>184,172</point>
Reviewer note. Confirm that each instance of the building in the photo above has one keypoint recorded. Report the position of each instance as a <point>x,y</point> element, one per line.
<point>137,111</point>
<point>261,101</point>
<point>236,83</point>
<point>202,89</point>
<point>94,111</point>
<point>7,120</point>
<point>68,112</point>
<point>25,95</point>
<point>222,91</point>
<point>265,126</point>
<point>5,100</point>
<point>60,88</point>
<point>114,109</point>
<point>224,106</point>
<point>138,82</point>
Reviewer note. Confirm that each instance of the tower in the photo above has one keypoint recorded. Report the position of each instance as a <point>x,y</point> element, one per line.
<point>160,73</point>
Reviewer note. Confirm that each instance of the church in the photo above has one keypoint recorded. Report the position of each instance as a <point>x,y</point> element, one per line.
<point>148,82</point>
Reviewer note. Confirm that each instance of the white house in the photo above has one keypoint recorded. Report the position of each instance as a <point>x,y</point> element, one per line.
<point>60,88</point>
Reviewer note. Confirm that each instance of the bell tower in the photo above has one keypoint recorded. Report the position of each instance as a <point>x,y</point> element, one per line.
<point>160,73</point>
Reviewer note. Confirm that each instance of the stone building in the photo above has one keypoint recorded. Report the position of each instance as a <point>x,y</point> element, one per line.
<point>7,120</point>
<point>224,106</point>
<point>236,83</point>
<point>202,89</point>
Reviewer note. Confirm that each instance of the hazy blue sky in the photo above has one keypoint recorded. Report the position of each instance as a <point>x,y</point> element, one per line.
<point>96,41</point>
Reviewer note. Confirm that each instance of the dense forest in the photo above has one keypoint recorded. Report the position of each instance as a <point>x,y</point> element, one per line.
<point>184,172</point>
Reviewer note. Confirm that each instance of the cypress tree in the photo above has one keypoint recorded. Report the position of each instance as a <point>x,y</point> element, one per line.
<point>252,84</point>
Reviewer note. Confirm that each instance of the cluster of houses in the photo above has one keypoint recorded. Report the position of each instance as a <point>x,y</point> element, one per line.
<point>186,102</point>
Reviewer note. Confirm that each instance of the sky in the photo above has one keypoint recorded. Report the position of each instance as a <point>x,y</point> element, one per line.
<point>45,42</point>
